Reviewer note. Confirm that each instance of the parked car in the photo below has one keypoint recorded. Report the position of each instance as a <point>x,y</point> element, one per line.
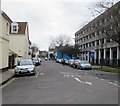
<point>70,62</point>
<point>76,63</point>
<point>24,67</point>
<point>66,62</point>
<point>40,61</point>
<point>59,60</point>
<point>46,58</point>
<point>85,65</point>
<point>36,61</point>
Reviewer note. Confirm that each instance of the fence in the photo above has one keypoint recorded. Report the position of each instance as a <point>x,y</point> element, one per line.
<point>108,62</point>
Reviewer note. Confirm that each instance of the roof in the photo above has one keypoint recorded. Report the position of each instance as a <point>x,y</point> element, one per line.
<point>6,17</point>
<point>22,27</point>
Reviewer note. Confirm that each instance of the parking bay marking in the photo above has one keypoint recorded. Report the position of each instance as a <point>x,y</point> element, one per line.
<point>3,86</point>
<point>89,83</point>
<point>114,84</point>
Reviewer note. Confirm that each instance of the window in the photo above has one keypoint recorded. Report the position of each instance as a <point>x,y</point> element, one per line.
<point>97,42</point>
<point>89,44</point>
<point>7,28</point>
<point>93,43</point>
<point>14,27</point>
<point>102,41</point>
<point>107,39</point>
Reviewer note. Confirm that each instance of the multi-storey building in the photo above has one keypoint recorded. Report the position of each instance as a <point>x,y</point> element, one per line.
<point>94,43</point>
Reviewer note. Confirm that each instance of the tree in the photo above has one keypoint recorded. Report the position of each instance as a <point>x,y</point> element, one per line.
<point>59,41</point>
<point>34,49</point>
<point>113,26</point>
<point>70,50</point>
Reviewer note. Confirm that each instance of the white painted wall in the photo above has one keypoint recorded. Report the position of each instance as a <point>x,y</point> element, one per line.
<point>20,45</point>
<point>4,42</point>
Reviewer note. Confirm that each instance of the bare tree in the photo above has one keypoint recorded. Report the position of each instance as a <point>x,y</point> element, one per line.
<point>113,25</point>
<point>59,41</point>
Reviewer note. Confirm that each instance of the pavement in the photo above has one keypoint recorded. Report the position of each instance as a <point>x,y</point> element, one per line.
<point>5,76</point>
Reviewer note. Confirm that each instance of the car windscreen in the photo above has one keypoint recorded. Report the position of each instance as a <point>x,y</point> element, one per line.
<point>25,63</point>
<point>34,59</point>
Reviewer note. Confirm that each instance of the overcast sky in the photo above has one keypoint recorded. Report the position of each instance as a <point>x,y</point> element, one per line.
<point>49,18</point>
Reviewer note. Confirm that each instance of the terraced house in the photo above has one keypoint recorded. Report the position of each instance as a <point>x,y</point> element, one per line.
<point>95,44</point>
<point>19,40</point>
<point>5,22</point>
<point>14,42</point>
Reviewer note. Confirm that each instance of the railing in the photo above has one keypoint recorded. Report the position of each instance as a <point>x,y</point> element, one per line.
<point>107,62</point>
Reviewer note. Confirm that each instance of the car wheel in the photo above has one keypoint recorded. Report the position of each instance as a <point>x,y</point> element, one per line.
<point>33,74</point>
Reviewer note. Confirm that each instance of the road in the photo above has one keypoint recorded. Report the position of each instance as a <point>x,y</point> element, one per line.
<point>58,84</point>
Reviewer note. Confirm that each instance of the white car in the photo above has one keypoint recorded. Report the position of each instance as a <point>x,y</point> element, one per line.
<point>85,65</point>
<point>25,67</point>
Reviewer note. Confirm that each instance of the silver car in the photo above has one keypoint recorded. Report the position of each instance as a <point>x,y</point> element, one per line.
<point>24,67</point>
<point>85,65</point>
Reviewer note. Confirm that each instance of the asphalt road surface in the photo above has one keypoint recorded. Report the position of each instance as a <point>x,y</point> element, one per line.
<point>58,84</point>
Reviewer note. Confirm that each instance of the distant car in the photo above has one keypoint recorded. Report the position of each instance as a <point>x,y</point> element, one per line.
<point>36,61</point>
<point>40,61</point>
<point>59,60</point>
<point>24,67</point>
<point>66,62</point>
<point>70,62</point>
<point>85,65</point>
<point>46,58</point>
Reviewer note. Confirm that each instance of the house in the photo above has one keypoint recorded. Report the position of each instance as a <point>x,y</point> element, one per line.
<point>5,22</point>
<point>19,40</point>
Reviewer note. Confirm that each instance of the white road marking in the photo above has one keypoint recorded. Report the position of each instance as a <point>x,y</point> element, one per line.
<point>41,73</point>
<point>64,75</point>
<point>77,79</point>
<point>96,77</point>
<point>102,79</point>
<point>67,75</point>
<point>3,86</point>
<point>72,75</point>
<point>114,84</point>
<point>89,83</point>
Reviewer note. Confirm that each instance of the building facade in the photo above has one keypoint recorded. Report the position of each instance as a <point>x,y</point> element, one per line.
<point>5,22</point>
<point>95,45</point>
<point>19,40</point>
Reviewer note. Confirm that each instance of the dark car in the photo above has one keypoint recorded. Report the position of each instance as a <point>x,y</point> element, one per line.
<point>36,61</point>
